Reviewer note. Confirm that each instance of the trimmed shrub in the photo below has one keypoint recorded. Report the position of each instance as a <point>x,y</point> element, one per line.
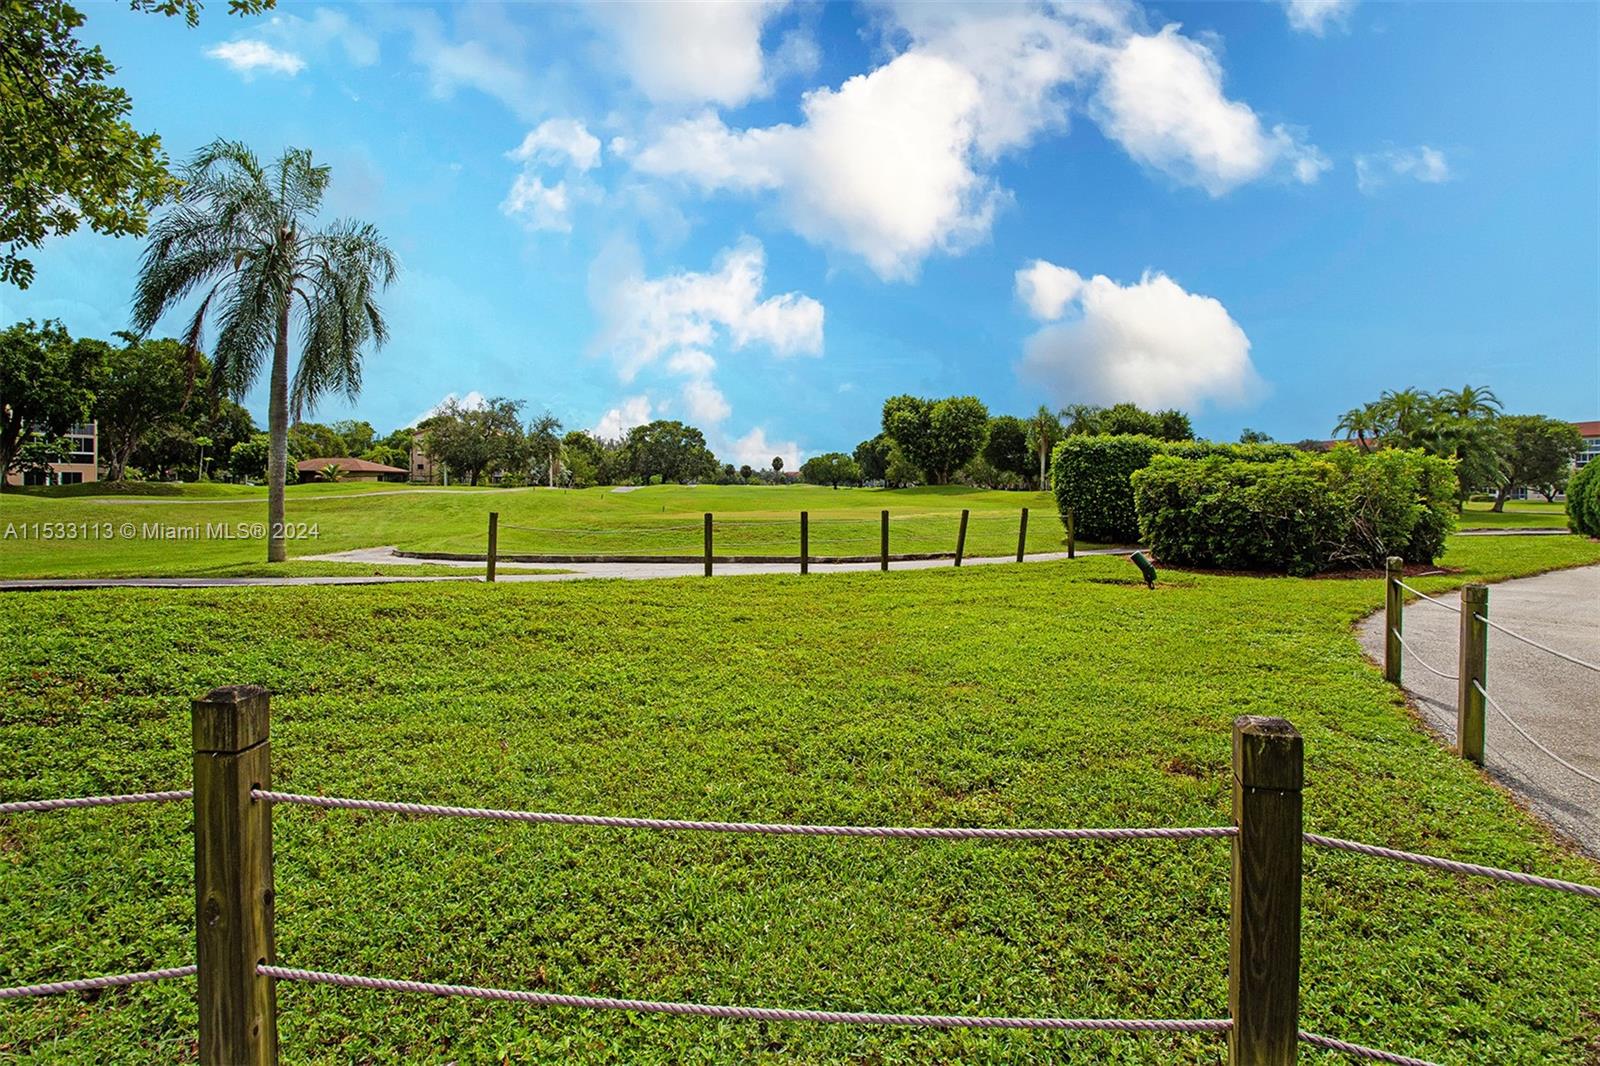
<point>1091,475</point>
<point>1583,500</point>
<point>1299,516</point>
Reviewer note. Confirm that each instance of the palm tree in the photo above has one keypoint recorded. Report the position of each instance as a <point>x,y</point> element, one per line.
<point>1358,422</point>
<point>1405,415</point>
<point>544,433</point>
<point>1469,403</point>
<point>1044,429</point>
<point>245,234</point>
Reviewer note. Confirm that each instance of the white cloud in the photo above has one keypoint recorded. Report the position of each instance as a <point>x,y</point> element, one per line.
<point>1151,343</point>
<point>615,423</point>
<point>1422,164</point>
<point>1047,288</point>
<point>757,451</point>
<point>557,141</point>
<point>700,51</point>
<point>687,312</point>
<point>247,57</point>
<point>537,205</point>
<point>1315,16</point>
<point>1162,100</point>
<point>488,55</point>
<point>704,402</point>
<point>897,164</point>
<point>472,401</point>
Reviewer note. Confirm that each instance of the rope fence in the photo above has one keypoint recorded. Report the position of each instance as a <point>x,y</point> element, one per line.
<point>1535,644</point>
<point>1420,660</point>
<point>1437,603</point>
<point>759,1014</point>
<point>237,957</point>
<point>1523,733</point>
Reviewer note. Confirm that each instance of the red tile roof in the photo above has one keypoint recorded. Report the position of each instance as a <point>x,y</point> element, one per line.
<point>1589,429</point>
<point>349,466</point>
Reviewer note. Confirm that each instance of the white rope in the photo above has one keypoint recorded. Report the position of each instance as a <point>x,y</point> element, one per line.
<point>1523,733</point>
<point>911,832</point>
<point>1535,644</point>
<point>86,983</point>
<point>1430,599</point>
<point>766,1014</point>
<point>1451,866</point>
<point>1328,1043</point>
<point>94,801</point>
<point>1420,660</point>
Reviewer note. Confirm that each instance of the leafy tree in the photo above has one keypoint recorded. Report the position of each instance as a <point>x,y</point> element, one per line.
<point>777,464</point>
<point>1044,430</point>
<point>39,452</point>
<point>830,469</point>
<point>745,472</point>
<point>313,440</point>
<point>46,384</point>
<point>1254,436</point>
<point>872,456</point>
<point>473,440</point>
<point>588,460</point>
<point>1006,448</point>
<point>140,394</point>
<point>1127,419</point>
<point>544,445</point>
<point>1536,452</point>
<point>247,460</point>
<point>1359,423</point>
<point>670,450</point>
<point>937,436</point>
<point>354,437</point>
<point>53,94</point>
<point>900,472</point>
<point>246,235</point>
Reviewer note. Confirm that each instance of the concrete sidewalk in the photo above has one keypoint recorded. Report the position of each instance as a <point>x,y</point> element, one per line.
<point>1557,702</point>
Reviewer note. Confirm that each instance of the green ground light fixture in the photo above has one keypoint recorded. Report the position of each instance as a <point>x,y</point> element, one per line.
<point>1145,567</point>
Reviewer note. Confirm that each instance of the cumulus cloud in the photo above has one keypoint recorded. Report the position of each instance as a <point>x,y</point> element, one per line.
<point>1315,16</point>
<point>559,141</point>
<point>897,164</point>
<point>1152,342</point>
<point>1162,100</point>
<point>472,401</point>
<point>247,57</point>
<point>537,205</point>
<point>1421,164</point>
<point>681,315</point>
<point>615,423</point>
<point>1047,288</point>
<point>757,451</point>
<point>700,51</point>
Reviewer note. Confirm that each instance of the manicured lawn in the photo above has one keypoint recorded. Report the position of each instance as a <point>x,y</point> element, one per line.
<point>97,536</point>
<point>1518,514</point>
<point>302,568</point>
<point>1064,694</point>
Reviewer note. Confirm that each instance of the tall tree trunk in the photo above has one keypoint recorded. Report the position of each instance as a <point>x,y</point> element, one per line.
<point>278,430</point>
<point>1500,498</point>
<point>1042,453</point>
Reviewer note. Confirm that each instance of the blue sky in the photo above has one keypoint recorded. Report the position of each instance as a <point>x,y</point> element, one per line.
<point>764,219</point>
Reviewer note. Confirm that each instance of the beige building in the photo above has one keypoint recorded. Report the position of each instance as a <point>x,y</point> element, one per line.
<point>349,470</point>
<point>82,465</point>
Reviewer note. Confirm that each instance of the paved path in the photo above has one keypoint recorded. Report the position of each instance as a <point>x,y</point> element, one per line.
<point>473,571</point>
<point>1557,702</point>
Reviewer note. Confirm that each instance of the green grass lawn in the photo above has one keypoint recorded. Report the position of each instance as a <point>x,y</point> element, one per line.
<point>1059,694</point>
<point>1518,514</point>
<point>303,568</point>
<point>88,534</point>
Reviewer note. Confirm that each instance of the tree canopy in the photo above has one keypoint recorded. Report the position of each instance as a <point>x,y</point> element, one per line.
<point>472,441</point>
<point>1536,452</point>
<point>831,468</point>
<point>47,380</point>
<point>937,436</point>
<point>669,450</point>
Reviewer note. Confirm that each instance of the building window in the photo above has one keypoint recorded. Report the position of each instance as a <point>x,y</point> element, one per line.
<point>36,477</point>
<point>70,477</point>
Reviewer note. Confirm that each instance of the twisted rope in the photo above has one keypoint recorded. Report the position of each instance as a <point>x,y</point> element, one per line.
<point>1535,644</point>
<point>1424,595</point>
<point>765,1014</point>
<point>1420,660</point>
<point>87,983</point>
<point>1451,866</point>
<point>1523,733</point>
<point>1328,1043</point>
<point>913,832</point>
<point>94,801</point>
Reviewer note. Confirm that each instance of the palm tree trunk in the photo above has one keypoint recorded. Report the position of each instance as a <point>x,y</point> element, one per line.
<point>1500,498</point>
<point>1042,447</point>
<point>278,431</point>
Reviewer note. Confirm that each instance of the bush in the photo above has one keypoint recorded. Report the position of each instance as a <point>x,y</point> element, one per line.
<point>1300,515</point>
<point>1583,500</point>
<point>1092,477</point>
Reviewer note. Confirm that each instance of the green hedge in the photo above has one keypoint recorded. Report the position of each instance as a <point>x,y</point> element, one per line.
<point>1303,515</point>
<point>1092,477</point>
<point>1583,500</point>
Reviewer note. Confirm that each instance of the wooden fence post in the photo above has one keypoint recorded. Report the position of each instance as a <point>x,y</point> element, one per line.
<point>494,543</point>
<point>1022,536</point>
<point>1072,534</point>
<point>883,550</point>
<point>961,537</point>
<point>1473,667</point>
<point>805,542</point>
<point>234,897</point>
<point>1264,933</point>
<point>708,544</point>
<point>1394,617</point>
